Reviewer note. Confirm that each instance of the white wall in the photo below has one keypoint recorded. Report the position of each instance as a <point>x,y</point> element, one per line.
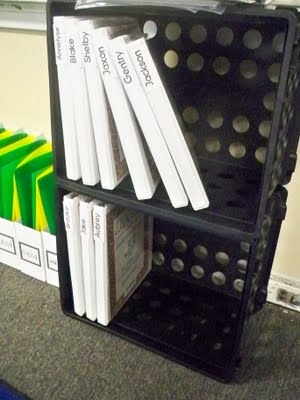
<point>24,102</point>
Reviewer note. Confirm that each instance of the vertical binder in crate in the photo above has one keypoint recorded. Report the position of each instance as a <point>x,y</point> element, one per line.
<point>235,80</point>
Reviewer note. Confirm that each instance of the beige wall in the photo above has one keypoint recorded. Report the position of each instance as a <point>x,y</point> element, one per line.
<point>24,102</point>
<point>24,92</point>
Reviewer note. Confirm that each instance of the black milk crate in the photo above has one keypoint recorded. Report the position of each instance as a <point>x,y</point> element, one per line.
<point>193,305</point>
<point>235,81</point>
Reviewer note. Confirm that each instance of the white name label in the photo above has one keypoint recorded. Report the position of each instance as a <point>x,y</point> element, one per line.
<point>86,48</point>
<point>98,224</point>
<point>7,243</point>
<point>30,254</point>
<point>83,226</point>
<point>71,50</point>
<point>105,63</point>
<point>124,67</point>
<point>67,217</point>
<point>52,261</point>
<point>58,42</point>
<point>143,68</point>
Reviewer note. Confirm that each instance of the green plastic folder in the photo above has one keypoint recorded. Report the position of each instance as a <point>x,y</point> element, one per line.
<point>7,140</point>
<point>44,200</point>
<point>4,134</point>
<point>10,157</point>
<point>23,202</point>
<point>2,128</point>
<point>7,133</point>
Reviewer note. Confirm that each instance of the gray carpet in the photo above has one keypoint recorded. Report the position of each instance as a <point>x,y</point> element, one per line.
<point>51,357</point>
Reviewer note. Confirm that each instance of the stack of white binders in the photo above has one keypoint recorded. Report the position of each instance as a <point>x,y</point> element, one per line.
<point>110,253</point>
<point>116,114</point>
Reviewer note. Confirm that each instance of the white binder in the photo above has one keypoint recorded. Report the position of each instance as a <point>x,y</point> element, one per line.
<point>84,126</point>
<point>73,169</point>
<point>167,120</point>
<point>147,121</point>
<point>88,257</point>
<point>141,166</point>
<point>72,225</point>
<point>110,155</point>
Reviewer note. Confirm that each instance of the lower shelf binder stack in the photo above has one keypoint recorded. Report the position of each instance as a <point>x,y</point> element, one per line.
<point>232,80</point>
<point>110,253</point>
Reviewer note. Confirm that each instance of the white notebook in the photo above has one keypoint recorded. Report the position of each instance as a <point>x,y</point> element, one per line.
<point>84,126</point>
<point>73,169</point>
<point>147,121</point>
<point>101,263</point>
<point>88,257</point>
<point>110,155</point>
<point>141,166</point>
<point>72,225</point>
<point>167,120</point>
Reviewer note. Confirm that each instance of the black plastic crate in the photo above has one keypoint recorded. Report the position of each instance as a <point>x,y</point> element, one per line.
<point>193,305</point>
<point>235,80</point>
<point>210,268</point>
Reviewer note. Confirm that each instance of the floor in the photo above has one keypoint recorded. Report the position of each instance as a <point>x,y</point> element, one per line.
<point>49,356</point>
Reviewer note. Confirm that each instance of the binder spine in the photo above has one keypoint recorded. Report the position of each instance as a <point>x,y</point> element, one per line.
<point>73,169</point>
<point>71,219</point>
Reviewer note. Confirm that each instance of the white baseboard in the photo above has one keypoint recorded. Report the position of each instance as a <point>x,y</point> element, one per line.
<point>288,280</point>
<point>279,284</point>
